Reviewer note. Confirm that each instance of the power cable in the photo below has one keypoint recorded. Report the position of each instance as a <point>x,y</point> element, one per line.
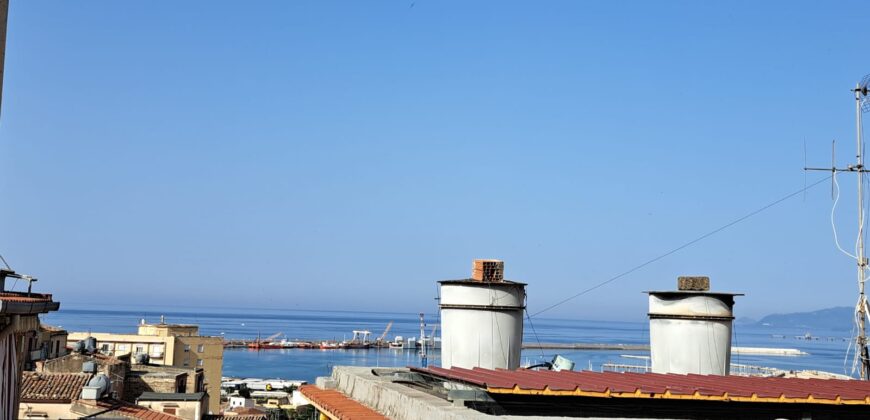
<point>540,346</point>
<point>683,246</point>
<point>834,225</point>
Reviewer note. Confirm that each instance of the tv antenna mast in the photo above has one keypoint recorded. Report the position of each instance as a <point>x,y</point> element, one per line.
<point>862,104</point>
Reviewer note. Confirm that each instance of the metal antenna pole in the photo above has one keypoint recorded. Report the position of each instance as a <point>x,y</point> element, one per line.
<point>862,104</point>
<point>4,13</point>
<point>862,260</point>
<point>423,356</point>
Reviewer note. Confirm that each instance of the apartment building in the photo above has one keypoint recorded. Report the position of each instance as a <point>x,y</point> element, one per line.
<point>165,344</point>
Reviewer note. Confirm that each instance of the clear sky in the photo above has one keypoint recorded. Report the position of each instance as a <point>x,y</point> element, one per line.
<point>347,155</point>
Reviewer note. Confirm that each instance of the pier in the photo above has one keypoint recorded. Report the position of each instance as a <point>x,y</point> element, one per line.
<point>317,344</point>
<point>585,346</point>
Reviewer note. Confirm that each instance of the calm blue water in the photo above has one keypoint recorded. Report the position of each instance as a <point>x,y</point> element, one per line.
<point>827,353</point>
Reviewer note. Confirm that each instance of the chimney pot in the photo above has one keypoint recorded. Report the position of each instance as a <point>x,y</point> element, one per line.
<point>488,271</point>
<point>693,283</point>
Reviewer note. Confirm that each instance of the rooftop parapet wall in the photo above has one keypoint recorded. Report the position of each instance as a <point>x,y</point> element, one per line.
<point>394,400</point>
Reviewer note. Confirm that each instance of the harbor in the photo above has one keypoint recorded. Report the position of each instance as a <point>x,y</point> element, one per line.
<point>413,344</point>
<point>587,342</point>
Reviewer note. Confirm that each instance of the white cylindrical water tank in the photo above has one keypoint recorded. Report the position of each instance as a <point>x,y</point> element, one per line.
<point>690,330</point>
<point>482,321</point>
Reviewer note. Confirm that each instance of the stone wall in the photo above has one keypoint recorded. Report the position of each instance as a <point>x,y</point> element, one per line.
<point>139,382</point>
<point>115,369</point>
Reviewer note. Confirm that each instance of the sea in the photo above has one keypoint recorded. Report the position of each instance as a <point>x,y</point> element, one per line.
<point>827,349</point>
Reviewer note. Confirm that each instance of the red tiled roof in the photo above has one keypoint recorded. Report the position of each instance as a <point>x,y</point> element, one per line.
<point>127,410</point>
<point>248,411</point>
<point>338,405</point>
<point>23,297</point>
<point>50,328</point>
<point>60,387</point>
<point>667,386</point>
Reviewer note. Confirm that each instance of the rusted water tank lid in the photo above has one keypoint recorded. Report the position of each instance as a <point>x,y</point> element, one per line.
<point>693,283</point>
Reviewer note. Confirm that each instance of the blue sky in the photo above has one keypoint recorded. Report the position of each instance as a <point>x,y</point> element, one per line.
<point>349,154</point>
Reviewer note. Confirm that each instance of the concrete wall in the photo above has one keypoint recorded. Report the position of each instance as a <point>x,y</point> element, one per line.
<point>188,410</point>
<point>168,330</point>
<point>394,400</point>
<point>210,351</point>
<point>137,383</point>
<point>44,411</point>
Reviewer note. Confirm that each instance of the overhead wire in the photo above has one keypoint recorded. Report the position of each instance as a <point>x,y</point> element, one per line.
<point>833,211</point>
<point>681,247</point>
<point>540,346</point>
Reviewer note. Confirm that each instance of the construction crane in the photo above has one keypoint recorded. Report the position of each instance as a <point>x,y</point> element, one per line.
<point>386,330</point>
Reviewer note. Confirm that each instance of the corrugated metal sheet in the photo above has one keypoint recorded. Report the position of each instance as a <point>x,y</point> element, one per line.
<point>664,386</point>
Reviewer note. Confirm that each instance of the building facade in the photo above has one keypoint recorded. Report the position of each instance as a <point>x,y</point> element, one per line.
<point>165,344</point>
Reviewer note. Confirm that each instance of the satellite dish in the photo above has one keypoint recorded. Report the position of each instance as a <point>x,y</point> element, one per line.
<point>861,93</point>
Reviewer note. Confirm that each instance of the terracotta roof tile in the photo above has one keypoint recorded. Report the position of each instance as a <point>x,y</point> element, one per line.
<point>129,411</point>
<point>247,410</point>
<point>23,297</point>
<point>50,328</point>
<point>60,387</point>
<point>338,405</point>
<point>653,385</point>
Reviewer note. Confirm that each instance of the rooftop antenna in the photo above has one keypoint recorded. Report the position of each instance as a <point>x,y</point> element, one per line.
<point>862,104</point>
<point>424,362</point>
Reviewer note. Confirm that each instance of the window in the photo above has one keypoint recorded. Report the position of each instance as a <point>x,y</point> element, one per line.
<point>199,362</point>
<point>200,348</point>
<point>156,351</point>
<point>186,348</point>
<point>139,348</point>
<point>122,348</point>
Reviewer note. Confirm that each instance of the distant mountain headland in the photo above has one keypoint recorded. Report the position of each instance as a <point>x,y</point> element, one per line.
<point>839,318</point>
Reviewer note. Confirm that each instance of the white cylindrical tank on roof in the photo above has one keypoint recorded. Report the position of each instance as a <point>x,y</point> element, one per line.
<point>482,319</point>
<point>690,328</point>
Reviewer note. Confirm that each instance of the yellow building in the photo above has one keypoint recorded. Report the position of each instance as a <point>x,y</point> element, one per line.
<point>169,345</point>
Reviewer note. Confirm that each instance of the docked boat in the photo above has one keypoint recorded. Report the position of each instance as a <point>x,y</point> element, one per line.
<point>263,345</point>
<point>295,344</point>
<point>398,343</point>
<point>328,345</point>
<point>360,340</point>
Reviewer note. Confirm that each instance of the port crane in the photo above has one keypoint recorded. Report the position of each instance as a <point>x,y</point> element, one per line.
<point>386,330</point>
<point>360,336</point>
<point>269,338</point>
